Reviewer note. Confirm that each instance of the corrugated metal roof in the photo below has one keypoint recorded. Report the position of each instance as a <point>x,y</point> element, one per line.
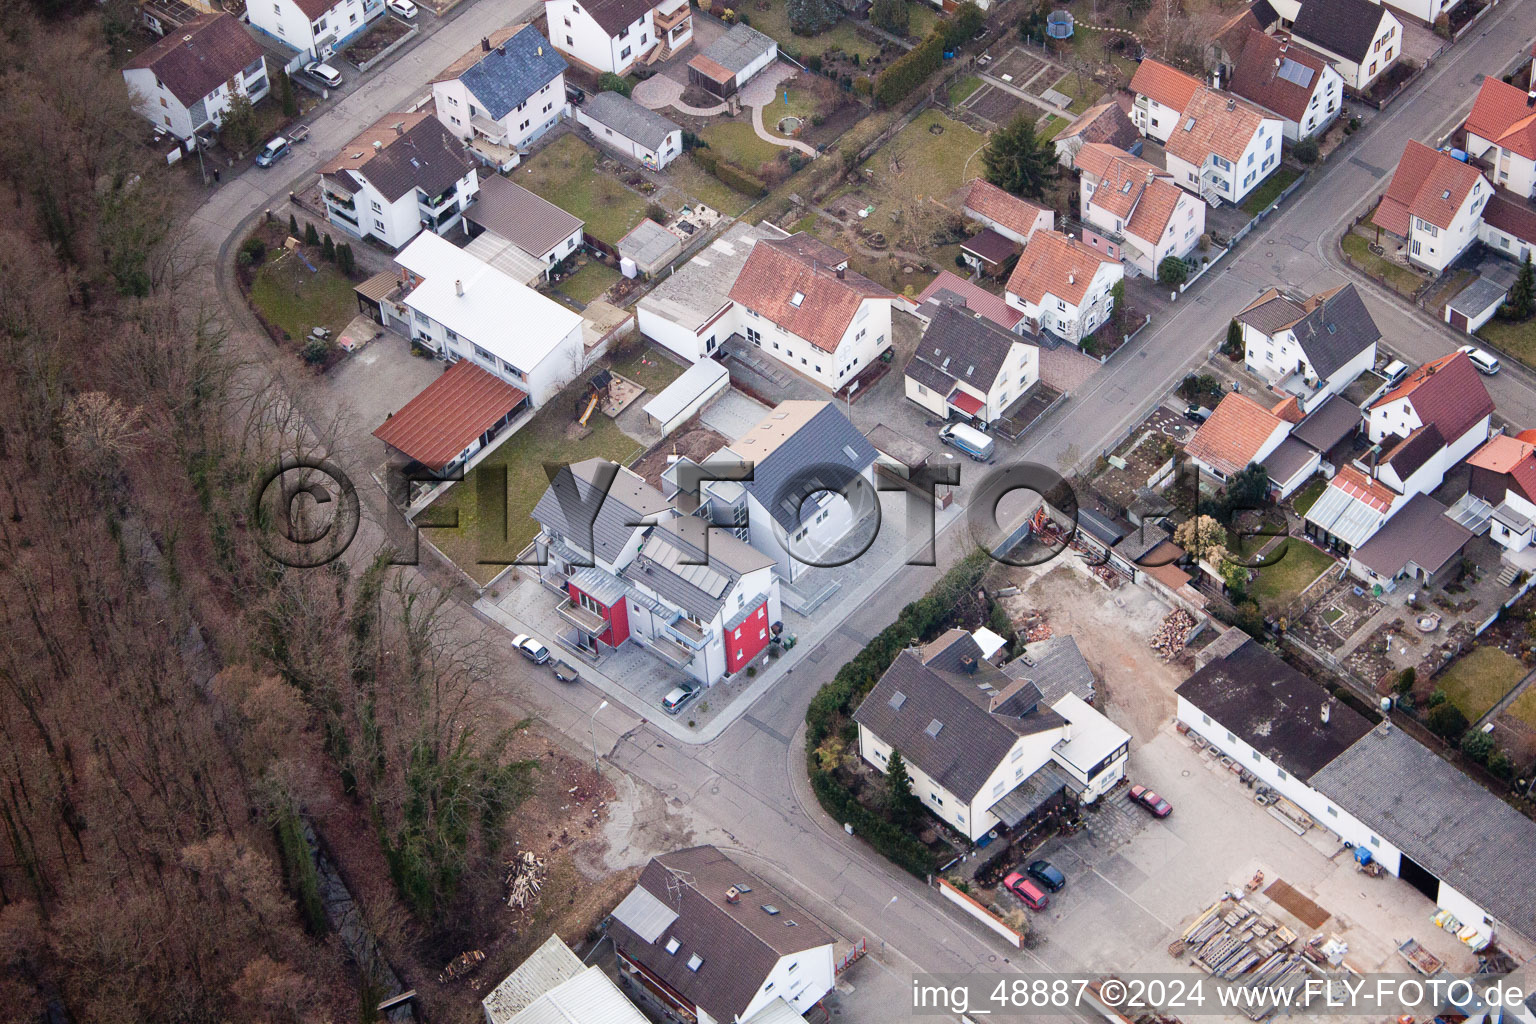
<point>644,914</point>
<point>547,967</point>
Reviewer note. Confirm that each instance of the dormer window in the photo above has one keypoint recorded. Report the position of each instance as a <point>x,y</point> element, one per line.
<point>796,299</point>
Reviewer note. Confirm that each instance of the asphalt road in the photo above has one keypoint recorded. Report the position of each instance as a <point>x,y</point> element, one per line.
<point>746,790</point>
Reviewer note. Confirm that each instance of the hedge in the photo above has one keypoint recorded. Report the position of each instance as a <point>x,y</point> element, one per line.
<point>911,70</point>
<point>893,843</point>
<point>729,174</point>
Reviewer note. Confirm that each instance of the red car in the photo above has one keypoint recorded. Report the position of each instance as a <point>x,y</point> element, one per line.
<point>1151,801</point>
<point>1027,890</point>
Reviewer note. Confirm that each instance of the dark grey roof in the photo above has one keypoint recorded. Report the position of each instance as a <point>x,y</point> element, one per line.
<point>889,441</point>
<point>965,346</point>
<point>1328,424</point>
<point>198,57</point>
<point>532,223</point>
<point>928,375</point>
<point>630,119</point>
<point>1289,458</point>
<point>1274,314</point>
<point>614,15</point>
<point>1338,328</point>
<point>738,944</point>
<point>1347,27</point>
<point>739,47</point>
<point>1058,669</point>
<point>809,461</point>
<point>1408,456</point>
<point>566,507</point>
<point>1454,828</point>
<point>1420,533</point>
<point>1266,14</point>
<point>1100,526</point>
<point>509,75</point>
<point>674,563</point>
<point>1274,709</point>
<point>427,157</point>
<point>1140,540</point>
<point>1478,296</point>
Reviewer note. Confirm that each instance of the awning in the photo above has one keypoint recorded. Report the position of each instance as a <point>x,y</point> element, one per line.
<point>966,402</point>
<point>1030,795</point>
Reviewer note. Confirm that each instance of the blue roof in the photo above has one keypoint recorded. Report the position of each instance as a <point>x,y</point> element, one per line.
<point>500,81</point>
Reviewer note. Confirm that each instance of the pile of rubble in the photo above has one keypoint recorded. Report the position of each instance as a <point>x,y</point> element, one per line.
<point>524,877</point>
<point>460,966</point>
<point>1034,628</point>
<point>1173,633</point>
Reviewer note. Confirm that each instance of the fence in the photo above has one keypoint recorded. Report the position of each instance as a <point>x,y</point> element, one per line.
<point>980,913</point>
<point>384,54</point>
<point>1281,198</point>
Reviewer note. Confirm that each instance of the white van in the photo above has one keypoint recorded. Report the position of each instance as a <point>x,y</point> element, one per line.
<point>1484,362</point>
<point>969,440</point>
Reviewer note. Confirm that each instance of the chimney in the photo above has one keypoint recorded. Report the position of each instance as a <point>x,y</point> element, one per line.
<point>733,895</point>
<point>1231,103</point>
<point>841,273</point>
<point>1530,98</point>
<point>501,51</point>
<point>377,145</point>
<point>458,288</point>
<point>399,127</point>
<point>485,44</point>
<point>1327,709</point>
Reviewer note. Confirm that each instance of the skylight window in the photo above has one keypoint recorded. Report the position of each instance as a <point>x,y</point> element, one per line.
<point>1446,194</point>
<point>770,910</point>
<point>796,299</point>
<point>933,728</point>
<point>848,451</point>
<point>1189,125</point>
<point>672,945</point>
<point>695,962</point>
<point>897,700</point>
<point>1126,187</point>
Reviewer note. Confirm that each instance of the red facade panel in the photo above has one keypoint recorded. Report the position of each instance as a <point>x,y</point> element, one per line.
<point>617,617</point>
<point>747,640</point>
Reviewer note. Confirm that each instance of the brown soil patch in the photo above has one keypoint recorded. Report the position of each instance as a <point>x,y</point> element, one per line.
<point>692,440</point>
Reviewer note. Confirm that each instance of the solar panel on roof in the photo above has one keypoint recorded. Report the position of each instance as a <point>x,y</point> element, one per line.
<point>1294,72</point>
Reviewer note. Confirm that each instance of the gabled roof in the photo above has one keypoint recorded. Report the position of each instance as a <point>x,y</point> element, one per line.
<point>401,152</point>
<point>1354,483</point>
<point>1054,264</point>
<point>735,50</point>
<point>1504,115</point>
<point>1420,533</point>
<point>1345,27</point>
<point>692,566</point>
<point>796,437</point>
<point>1272,312</point>
<point>1513,457</point>
<point>694,294</point>
<point>449,414</point>
<point>1056,667</point>
<point>630,119</point>
<point>1409,455</point>
<point>1277,76</point>
<point>553,986</point>
<point>615,15</point>
<point>1215,122</point>
<point>1164,83</point>
<point>1511,215</point>
<point>533,224</point>
<point>963,346</point>
<point>950,289</point>
<point>200,56</point>
<point>732,947</point>
<point>1447,392</point>
<point>566,506</point>
<point>1122,177</point>
<point>1427,184</point>
<point>1335,329</point>
<point>987,200</point>
<point>1274,709</point>
<point>1105,123</point>
<point>1234,435</point>
<point>1328,424</point>
<point>803,294</point>
<point>518,64</point>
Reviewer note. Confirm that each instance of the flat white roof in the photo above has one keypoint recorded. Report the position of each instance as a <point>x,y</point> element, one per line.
<point>1094,737</point>
<point>989,642</point>
<point>500,314</point>
<point>699,379</point>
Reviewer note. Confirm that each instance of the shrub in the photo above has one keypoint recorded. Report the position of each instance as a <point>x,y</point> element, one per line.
<point>1501,765</point>
<point>910,71</point>
<point>796,161</point>
<point>890,841</point>
<point>315,351</point>
<point>964,23</point>
<point>892,15</point>
<point>1172,271</point>
<point>813,63</point>
<point>252,251</point>
<point>811,17</point>
<point>1477,745</point>
<point>746,183</point>
<point>656,212</point>
<point>864,86</point>
<point>610,82</point>
<point>311,236</point>
<point>293,226</point>
<point>1305,151</point>
<point>328,249</point>
<point>1406,679</point>
<point>345,259</point>
<point>692,142</point>
<point>1447,721</point>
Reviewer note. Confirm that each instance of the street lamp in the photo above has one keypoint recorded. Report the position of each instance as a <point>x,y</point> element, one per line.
<point>593,723</point>
<point>881,918</point>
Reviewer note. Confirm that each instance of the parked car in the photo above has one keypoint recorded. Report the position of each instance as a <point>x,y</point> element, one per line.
<point>1033,896</point>
<point>1484,361</point>
<point>1394,371</point>
<point>1047,874</point>
<point>403,8</point>
<point>273,151</point>
<point>1151,801</point>
<point>565,673</point>
<point>530,648</point>
<point>679,697</point>
<point>1197,414</point>
<point>969,440</point>
<point>323,73</point>
<point>575,93</point>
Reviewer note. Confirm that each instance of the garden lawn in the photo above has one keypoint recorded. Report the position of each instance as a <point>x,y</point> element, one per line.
<point>589,282</point>
<point>1523,707</point>
<point>522,455</point>
<point>1051,128</point>
<point>1269,190</point>
<point>933,166</point>
<point>565,173</point>
<point>1276,586</point>
<point>1399,277</point>
<point>737,142</point>
<point>648,368</point>
<point>1083,96</point>
<point>1303,499</point>
<point>802,104</point>
<point>962,89</point>
<point>292,299</point>
<point>1518,340</point>
<point>1479,679</point>
<point>698,184</point>
<point>921,20</point>
<point>775,22</point>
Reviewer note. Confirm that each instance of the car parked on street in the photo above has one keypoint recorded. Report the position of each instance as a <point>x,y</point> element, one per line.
<point>530,648</point>
<point>1033,896</point>
<point>1047,874</point>
<point>323,73</point>
<point>402,8</point>
<point>679,697</point>
<point>1484,361</point>
<point>273,151</point>
<point>1151,801</point>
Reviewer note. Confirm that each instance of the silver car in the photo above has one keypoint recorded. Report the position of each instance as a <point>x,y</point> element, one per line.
<point>679,697</point>
<point>323,73</point>
<point>530,648</point>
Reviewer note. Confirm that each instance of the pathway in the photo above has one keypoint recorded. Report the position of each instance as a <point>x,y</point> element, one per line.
<point>762,91</point>
<point>660,91</point>
<point>1039,101</point>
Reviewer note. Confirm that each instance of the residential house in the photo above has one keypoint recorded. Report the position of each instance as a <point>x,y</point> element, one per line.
<point>1501,135</point>
<point>615,35</point>
<point>463,308</point>
<point>1503,475</point>
<point>316,28</point>
<point>703,939</point>
<point>948,289</point>
<point>797,301</point>
<point>1330,429</point>
<point>503,94</point>
<point>732,60</point>
<point>554,985</point>
<point>966,367</point>
<point>1447,393</point>
<point>1433,203</point>
<point>454,418</point>
<point>1106,123</point>
<point>1310,348</point>
<point>1426,11</point>
<point>691,312</point>
<point>805,499</point>
<point>622,125</point>
<point>1005,213</point>
<point>1420,543</point>
<point>1287,80</point>
<point>186,80</point>
<point>1162,92</point>
<point>1223,147</point>
<point>521,234</point>
<point>1064,286</point>
<point>1508,226</point>
<point>1135,211</point>
<point>1241,432</point>
<point>1370,787</point>
<point>1360,38</point>
<point>983,749</point>
<point>405,173</point>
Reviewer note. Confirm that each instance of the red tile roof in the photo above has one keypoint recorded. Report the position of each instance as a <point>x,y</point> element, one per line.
<point>1257,77</point>
<point>1234,434</point>
<point>1122,178</point>
<point>1362,488</point>
<point>800,293</point>
<point>1503,115</point>
<point>449,414</point>
<point>1502,453</point>
<point>1167,85</point>
<point>1057,265</point>
<point>1447,392</point>
<point>1528,435</point>
<point>1427,184</point>
<point>974,298</point>
<point>1288,409</point>
<point>1511,215</point>
<point>204,53</point>
<point>1013,213</point>
<point>1214,122</point>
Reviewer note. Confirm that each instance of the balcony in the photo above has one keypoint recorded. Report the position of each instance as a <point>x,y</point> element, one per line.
<point>491,131</point>
<point>339,202</point>
<point>666,21</point>
<point>689,632</point>
<point>671,652</point>
<point>434,204</point>
<point>583,618</point>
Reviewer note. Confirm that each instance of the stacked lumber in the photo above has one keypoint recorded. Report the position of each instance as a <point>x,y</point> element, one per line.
<point>524,877</point>
<point>460,966</point>
<point>1173,633</point>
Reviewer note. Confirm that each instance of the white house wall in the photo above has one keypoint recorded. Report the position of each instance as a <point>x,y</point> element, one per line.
<point>1436,247</point>
<point>1510,169</point>
<point>1027,756</point>
<point>161,107</point>
<point>1154,119</point>
<point>866,336</point>
<point>800,979</point>
<point>944,804</point>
